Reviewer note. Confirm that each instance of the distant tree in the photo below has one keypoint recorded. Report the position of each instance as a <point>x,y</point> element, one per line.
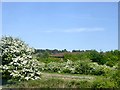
<point>55,51</point>
<point>75,50</point>
<point>97,57</point>
<point>49,51</point>
<point>64,50</point>
<point>112,57</point>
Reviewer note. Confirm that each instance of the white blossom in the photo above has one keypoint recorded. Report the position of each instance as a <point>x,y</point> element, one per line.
<point>19,60</point>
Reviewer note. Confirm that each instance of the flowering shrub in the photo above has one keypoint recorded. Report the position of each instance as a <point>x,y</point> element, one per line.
<point>41,66</point>
<point>99,69</point>
<point>17,60</point>
<point>53,67</point>
<point>68,67</point>
<point>82,67</point>
<point>78,67</point>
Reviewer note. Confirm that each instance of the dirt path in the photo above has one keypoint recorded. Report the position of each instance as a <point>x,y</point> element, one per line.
<point>68,77</point>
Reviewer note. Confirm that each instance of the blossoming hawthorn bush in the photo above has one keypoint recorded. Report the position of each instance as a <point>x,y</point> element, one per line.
<point>17,60</point>
<point>68,67</point>
<point>82,67</point>
<point>53,67</point>
<point>78,67</point>
<point>97,69</point>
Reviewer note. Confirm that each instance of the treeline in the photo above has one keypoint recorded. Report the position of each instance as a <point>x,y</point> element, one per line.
<point>110,58</point>
<point>56,51</point>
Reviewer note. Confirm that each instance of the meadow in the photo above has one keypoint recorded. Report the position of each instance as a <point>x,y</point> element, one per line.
<point>25,67</point>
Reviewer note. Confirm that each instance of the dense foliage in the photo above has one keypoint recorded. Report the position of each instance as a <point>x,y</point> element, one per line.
<point>109,58</point>
<point>17,60</point>
<point>78,67</point>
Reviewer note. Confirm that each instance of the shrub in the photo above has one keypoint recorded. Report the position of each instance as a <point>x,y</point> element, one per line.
<point>116,76</point>
<point>97,57</point>
<point>103,83</point>
<point>68,67</point>
<point>81,67</point>
<point>76,56</point>
<point>41,66</point>
<point>97,69</point>
<point>17,60</point>
<point>53,67</point>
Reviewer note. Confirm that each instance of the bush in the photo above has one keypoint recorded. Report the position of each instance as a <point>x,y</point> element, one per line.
<point>97,57</point>
<point>68,67</point>
<point>103,83</point>
<point>53,67</point>
<point>78,67</point>
<point>82,67</point>
<point>97,69</point>
<point>76,56</point>
<point>17,60</point>
<point>116,76</point>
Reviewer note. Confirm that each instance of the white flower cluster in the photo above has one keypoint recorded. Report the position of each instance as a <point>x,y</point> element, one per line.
<point>96,68</point>
<point>77,67</point>
<point>53,66</point>
<point>66,67</point>
<point>17,60</point>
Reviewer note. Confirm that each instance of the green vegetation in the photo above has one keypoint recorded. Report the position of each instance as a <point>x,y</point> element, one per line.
<point>52,83</point>
<point>60,68</point>
<point>53,80</point>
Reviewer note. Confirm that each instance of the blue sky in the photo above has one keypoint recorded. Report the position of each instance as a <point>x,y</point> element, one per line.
<point>63,25</point>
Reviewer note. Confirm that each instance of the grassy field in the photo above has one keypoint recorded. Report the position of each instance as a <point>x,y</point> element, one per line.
<point>54,80</point>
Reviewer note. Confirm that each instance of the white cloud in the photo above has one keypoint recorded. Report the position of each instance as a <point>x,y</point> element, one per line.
<point>74,30</point>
